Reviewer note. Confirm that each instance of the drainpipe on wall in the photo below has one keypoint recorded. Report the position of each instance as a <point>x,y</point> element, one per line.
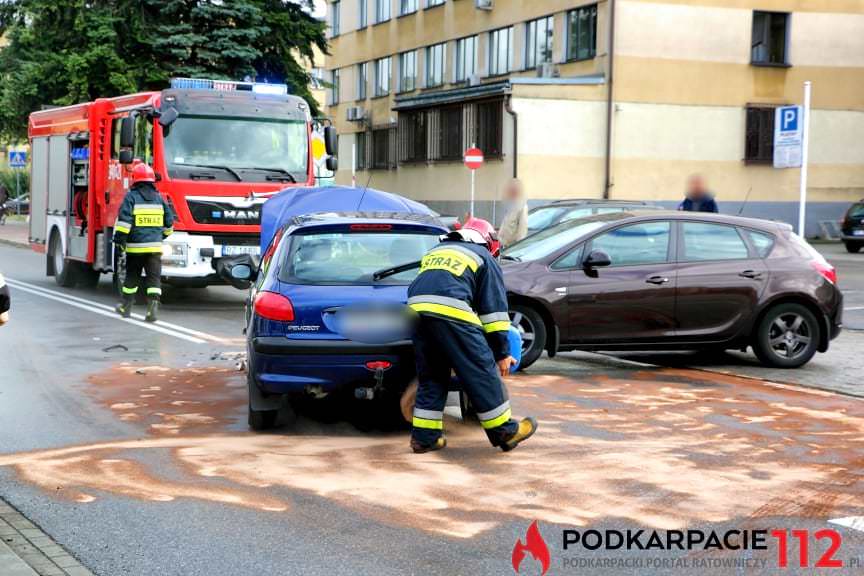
<point>610,104</point>
<point>508,106</point>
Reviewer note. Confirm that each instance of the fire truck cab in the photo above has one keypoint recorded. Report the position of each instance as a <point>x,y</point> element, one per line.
<point>219,150</point>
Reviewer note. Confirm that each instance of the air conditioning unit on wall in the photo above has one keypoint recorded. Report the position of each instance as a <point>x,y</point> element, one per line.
<point>355,114</point>
<point>484,4</point>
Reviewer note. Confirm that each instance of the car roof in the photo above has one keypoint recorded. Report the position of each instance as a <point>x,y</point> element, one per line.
<point>579,201</point>
<point>625,216</point>
<point>336,218</point>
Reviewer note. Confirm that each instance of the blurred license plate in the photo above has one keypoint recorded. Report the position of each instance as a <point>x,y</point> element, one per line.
<point>858,232</point>
<point>236,250</point>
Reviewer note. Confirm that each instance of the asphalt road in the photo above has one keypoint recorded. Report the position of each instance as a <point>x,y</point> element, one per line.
<point>126,443</point>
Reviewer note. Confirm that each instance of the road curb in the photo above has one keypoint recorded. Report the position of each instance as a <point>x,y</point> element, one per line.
<point>25,550</point>
<point>13,244</point>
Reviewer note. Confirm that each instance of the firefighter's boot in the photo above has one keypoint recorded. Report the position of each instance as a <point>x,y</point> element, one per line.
<point>419,448</point>
<point>526,429</point>
<point>152,310</point>
<point>124,308</point>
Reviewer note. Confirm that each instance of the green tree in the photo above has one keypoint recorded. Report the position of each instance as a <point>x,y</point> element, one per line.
<point>62,52</point>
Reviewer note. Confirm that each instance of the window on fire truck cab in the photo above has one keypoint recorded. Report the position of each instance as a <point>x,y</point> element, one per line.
<point>115,137</point>
<point>237,143</point>
<point>143,139</point>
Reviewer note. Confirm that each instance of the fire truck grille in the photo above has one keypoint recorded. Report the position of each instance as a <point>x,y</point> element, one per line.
<point>214,212</point>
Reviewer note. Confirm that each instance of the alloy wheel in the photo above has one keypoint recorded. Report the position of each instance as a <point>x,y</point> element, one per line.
<point>790,335</point>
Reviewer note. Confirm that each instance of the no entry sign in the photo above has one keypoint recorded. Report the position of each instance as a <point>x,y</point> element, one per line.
<point>473,158</point>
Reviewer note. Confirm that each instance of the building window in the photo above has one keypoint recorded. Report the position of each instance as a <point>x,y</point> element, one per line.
<point>334,86</point>
<point>362,13</point>
<point>466,58</point>
<point>431,3</point>
<point>538,41</point>
<point>361,151</point>
<point>384,148</point>
<point>407,7</point>
<point>382,76</point>
<point>759,138</point>
<point>336,16</point>
<point>382,11</point>
<point>413,143</point>
<point>442,134</point>
<point>488,127</point>
<point>316,78</point>
<point>770,32</point>
<point>407,71</point>
<point>582,33</point>
<point>362,80</point>
<point>500,51</point>
<point>435,57</point>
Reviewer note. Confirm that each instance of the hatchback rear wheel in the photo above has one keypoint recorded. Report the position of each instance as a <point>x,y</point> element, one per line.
<point>853,247</point>
<point>787,336</point>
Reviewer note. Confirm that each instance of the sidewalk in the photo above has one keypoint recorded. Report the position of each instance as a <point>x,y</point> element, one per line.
<point>14,233</point>
<point>27,551</point>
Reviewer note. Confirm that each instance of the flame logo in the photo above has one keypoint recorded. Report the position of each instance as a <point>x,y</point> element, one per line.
<point>534,544</point>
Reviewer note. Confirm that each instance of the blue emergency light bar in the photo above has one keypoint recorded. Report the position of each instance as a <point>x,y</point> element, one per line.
<point>229,86</point>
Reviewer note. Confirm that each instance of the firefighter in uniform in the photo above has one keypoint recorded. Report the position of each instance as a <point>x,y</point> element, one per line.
<point>463,325</point>
<point>144,221</point>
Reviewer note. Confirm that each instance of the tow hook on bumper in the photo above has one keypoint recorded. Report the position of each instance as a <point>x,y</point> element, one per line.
<point>366,393</point>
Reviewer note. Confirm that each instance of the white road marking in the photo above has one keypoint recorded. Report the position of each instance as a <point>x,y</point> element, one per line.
<point>853,308</point>
<point>854,522</point>
<point>167,328</point>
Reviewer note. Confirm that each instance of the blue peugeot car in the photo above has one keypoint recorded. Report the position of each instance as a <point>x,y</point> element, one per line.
<point>326,310</point>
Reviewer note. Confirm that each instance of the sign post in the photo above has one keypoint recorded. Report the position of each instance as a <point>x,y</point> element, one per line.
<point>18,160</point>
<point>473,160</point>
<point>792,145</point>
<point>805,153</point>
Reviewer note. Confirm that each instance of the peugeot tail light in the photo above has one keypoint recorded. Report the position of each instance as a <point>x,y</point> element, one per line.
<point>273,306</point>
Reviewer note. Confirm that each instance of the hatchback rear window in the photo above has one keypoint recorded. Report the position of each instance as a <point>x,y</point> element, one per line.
<point>351,258</point>
<point>857,210</point>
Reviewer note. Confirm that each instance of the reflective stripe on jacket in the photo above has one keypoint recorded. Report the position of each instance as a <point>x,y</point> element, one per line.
<point>462,282</point>
<point>145,218</point>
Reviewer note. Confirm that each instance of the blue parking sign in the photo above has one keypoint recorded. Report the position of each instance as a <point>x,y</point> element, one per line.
<point>788,136</point>
<point>789,119</point>
<point>17,158</point>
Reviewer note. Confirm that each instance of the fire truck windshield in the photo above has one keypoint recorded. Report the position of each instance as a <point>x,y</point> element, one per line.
<point>236,149</point>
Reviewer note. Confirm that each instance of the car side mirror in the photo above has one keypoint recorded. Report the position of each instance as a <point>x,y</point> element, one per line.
<point>167,117</point>
<point>596,259</point>
<point>330,141</point>
<point>239,271</point>
<point>127,132</point>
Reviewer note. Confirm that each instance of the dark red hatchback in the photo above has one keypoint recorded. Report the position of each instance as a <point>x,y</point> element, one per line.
<point>674,281</point>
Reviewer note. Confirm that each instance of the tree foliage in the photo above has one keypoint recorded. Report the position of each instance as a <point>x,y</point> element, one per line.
<point>61,52</point>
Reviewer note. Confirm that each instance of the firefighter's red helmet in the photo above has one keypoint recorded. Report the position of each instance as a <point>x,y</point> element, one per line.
<point>486,232</point>
<point>143,173</point>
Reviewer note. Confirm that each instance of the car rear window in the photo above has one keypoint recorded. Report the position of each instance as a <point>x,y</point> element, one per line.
<point>762,242</point>
<point>351,258</point>
<point>857,210</point>
<point>544,217</point>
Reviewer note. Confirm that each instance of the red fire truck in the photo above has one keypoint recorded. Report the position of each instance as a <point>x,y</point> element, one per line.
<point>219,149</point>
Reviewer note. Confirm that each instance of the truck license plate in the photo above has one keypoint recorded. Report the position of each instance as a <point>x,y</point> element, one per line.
<point>235,250</point>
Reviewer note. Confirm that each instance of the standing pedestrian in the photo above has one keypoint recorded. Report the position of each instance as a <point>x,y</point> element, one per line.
<point>5,301</point>
<point>698,198</point>
<point>463,326</point>
<point>144,221</point>
<point>514,226</point>
<point>4,196</point>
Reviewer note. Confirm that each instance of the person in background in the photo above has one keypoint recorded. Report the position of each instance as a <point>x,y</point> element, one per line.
<point>514,226</point>
<point>698,198</point>
<point>4,301</point>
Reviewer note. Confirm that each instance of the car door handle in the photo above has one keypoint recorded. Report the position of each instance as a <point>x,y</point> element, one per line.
<point>657,280</point>
<point>752,274</point>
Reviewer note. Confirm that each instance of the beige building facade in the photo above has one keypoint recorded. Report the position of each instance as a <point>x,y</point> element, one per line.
<point>612,98</point>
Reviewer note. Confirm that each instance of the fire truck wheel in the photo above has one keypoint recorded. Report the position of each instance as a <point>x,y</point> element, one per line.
<point>64,270</point>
